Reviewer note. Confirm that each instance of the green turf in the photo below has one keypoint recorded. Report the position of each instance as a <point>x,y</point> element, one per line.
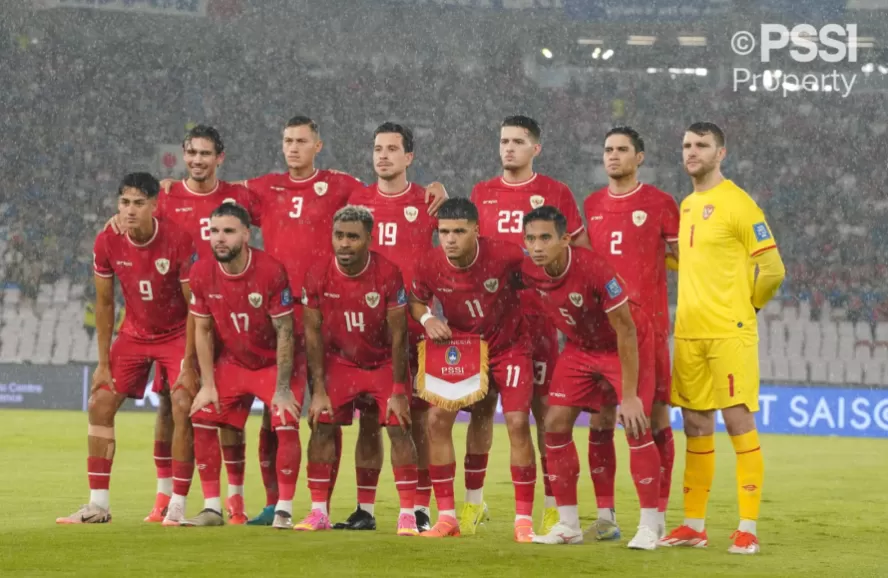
<point>824,513</point>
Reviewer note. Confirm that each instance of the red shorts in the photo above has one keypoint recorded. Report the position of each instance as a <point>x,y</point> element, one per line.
<point>349,386</point>
<point>593,379</point>
<point>662,369</point>
<point>544,352</point>
<point>511,374</point>
<point>131,361</point>
<point>238,386</point>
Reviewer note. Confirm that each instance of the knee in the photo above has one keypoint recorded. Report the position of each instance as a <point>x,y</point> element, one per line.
<point>605,419</point>
<point>698,424</point>
<point>181,406</point>
<point>518,424</point>
<point>323,434</point>
<point>101,407</point>
<point>558,420</point>
<point>369,426</point>
<point>660,418</point>
<point>439,423</point>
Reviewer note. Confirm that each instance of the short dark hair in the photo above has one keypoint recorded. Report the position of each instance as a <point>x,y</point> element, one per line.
<point>300,120</point>
<point>144,182</point>
<point>233,210</point>
<point>549,214</point>
<point>207,132</point>
<point>703,128</point>
<point>404,131</point>
<point>457,208</point>
<point>525,122</point>
<point>633,135</point>
<point>355,214</point>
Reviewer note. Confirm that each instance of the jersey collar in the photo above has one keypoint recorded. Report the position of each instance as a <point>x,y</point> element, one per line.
<point>361,272</point>
<point>242,273</point>
<point>149,241</point>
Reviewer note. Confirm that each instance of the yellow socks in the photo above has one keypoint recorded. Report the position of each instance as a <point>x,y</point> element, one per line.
<point>698,475</point>
<point>750,474</point>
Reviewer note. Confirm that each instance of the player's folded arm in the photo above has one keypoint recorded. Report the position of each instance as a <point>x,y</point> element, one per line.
<point>771,273</point>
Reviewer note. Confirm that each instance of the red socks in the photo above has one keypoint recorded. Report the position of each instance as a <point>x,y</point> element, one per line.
<point>475,469</point>
<point>423,489</point>
<point>98,471</point>
<point>564,467</point>
<point>334,473</point>
<point>524,480</point>
<point>442,482</point>
<point>208,458</point>
<point>163,459</point>
<point>368,479</point>
<point>666,447</point>
<point>182,474</point>
<point>547,487</point>
<point>644,463</point>
<point>603,466</point>
<point>319,482</point>
<point>268,448</point>
<point>289,459</point>
<point>405,480</point>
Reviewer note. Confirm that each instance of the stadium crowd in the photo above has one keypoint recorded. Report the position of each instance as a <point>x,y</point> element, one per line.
<point>75,123</point>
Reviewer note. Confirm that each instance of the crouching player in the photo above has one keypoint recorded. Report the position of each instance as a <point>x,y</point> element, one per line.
<point>608,361</point>
<point>242,300</point>
<point>356,341</point>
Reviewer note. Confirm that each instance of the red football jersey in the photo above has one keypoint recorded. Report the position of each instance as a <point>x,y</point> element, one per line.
<point>151,277</point>
<point>403,229</point>
<point>579,300</point>
<point>502,206</point>
<point>191,210</point>
<point>297,216</point>
<point>631,231</point>
<point>481,299</point>
<point>354,309</point>
<point>242,306</point>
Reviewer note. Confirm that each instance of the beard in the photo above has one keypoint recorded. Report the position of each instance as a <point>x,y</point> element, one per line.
<point>232,254</point>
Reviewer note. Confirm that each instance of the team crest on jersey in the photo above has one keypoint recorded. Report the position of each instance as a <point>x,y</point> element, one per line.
<point>255,299</point>
<point>537,201</point>
<point>491,285</point>
<point>452,355</point>
<point>411,213</point>
<point>372,299</point>
<point>230,200</point>
<point>576,299</point>
<point>163,265</point>
<point>707,211</point>
<point>639,217</point>
<point>320,188</point>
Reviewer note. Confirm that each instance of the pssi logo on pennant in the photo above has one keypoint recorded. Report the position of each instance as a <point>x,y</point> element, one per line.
<point>761,232</point>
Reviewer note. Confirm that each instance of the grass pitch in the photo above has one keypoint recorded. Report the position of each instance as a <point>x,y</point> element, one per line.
<point>824,513</point>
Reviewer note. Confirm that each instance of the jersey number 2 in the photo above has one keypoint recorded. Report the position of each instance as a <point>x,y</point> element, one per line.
<point>616,241</point>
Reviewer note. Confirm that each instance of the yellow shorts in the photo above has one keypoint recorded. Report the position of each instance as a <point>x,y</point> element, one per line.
<point>709,374</point>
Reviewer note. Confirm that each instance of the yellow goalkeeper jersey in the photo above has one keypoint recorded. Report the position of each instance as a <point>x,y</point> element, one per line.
<point>721,230</point>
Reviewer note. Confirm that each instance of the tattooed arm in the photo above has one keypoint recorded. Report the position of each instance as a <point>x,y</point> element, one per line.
<point>285,349</point>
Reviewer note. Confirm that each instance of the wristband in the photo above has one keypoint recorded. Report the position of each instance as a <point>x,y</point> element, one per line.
<point>424,319</point>
<point>399,389</point>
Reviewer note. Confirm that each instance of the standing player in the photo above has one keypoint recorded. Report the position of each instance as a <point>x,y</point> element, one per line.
<point>403,233</point>
<point>356,339</point>
<point>632,225</point>
<point>723,238</point>
<point>475,281</point>
<point>608,361</point>
<point>502,202</point>
<point>188,204</point>
<point>152,263</point>
<point>297,209</point>
<point>242,299</point>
